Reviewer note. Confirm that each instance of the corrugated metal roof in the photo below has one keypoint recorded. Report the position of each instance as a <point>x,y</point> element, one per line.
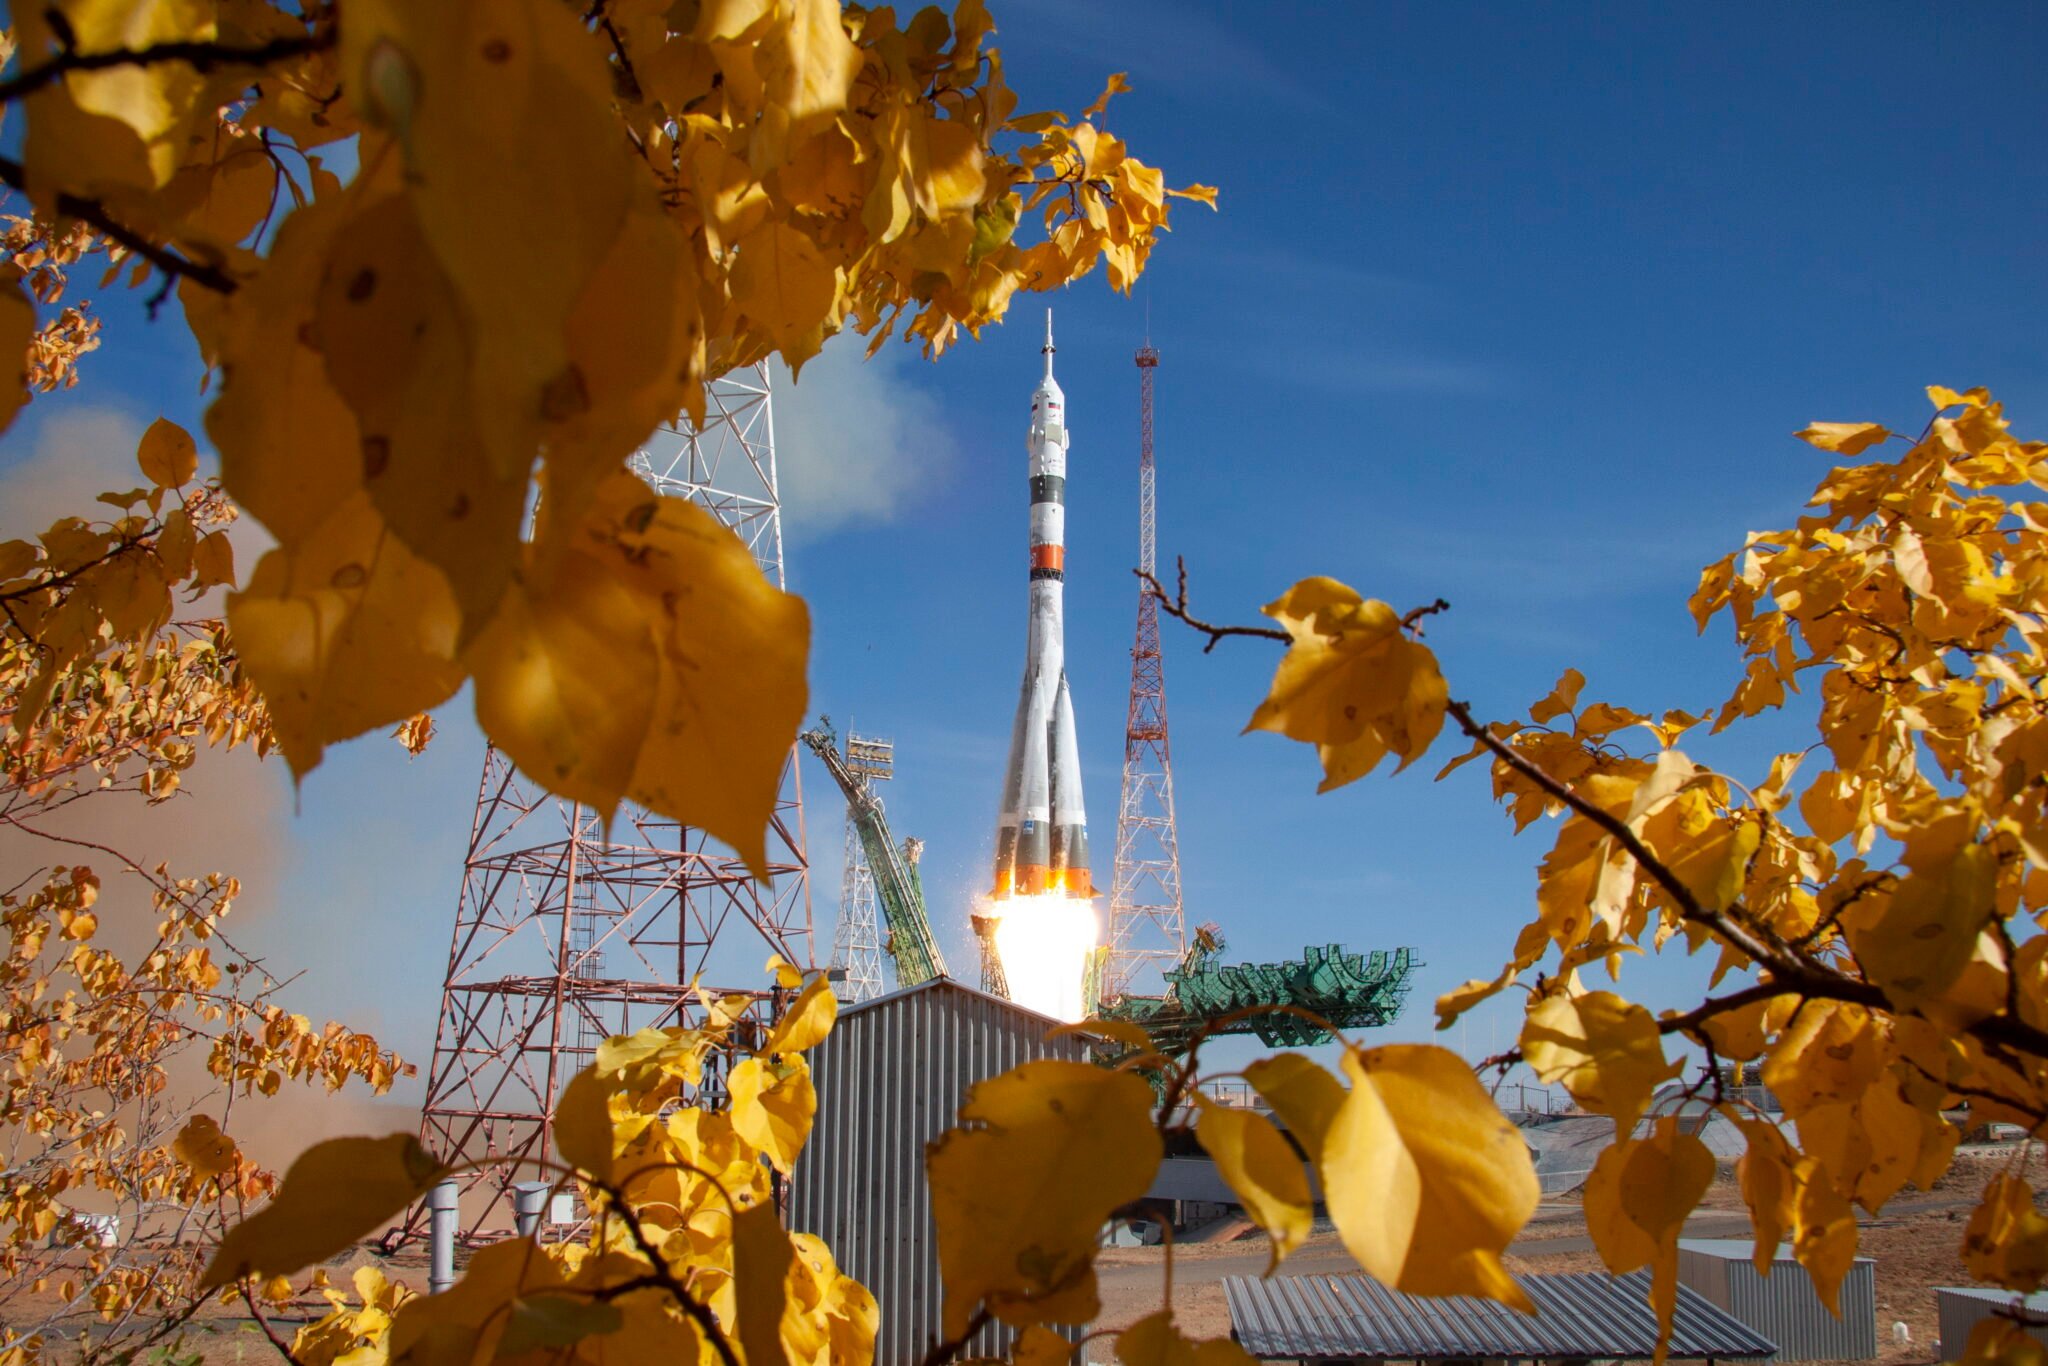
<point>2036,1303</point>
<point>1582,1314</point>
<point>947,984</point>
<point>1738,1249</point>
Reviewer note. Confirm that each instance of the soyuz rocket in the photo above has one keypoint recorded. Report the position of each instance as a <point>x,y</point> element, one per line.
<point>1042,829</point>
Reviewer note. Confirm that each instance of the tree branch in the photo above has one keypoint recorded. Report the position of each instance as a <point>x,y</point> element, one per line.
<point>659,1270</point>
<point>1178,607</point>
<point>98,217</point>
<point>198,56</point>
<point>1792,973</point>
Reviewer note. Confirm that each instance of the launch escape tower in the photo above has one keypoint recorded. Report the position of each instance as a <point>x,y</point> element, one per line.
<point>857,934</point>
<point>1147,926</point>
<point>567,932</point>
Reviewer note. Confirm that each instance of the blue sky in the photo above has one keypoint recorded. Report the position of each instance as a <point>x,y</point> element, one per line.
<point>1513,305</point>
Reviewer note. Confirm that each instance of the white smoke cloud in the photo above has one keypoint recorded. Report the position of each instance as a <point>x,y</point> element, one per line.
<point>856,442</point>
<point>79,454</point>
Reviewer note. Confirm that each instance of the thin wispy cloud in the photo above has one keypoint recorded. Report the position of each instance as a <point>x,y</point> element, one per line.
<point>1183,52</point>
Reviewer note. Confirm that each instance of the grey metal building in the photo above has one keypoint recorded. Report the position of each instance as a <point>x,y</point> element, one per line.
<point>1960,1307</point>
<point>1784,1306</point>
<point>890,1078</point>
<point>1585,1316</point>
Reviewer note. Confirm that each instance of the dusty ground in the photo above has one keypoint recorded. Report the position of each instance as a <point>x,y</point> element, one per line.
<point>1914,1243</point>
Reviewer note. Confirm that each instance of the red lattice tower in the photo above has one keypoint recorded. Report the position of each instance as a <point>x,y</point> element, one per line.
<point>566,933</point>
<point>1147,927</point>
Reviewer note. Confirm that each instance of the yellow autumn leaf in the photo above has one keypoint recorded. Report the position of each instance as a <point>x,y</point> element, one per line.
<point>465,1322</point>
<point>1846,438</point>
<point>1071,1142</point>
<point>1264,1171</point>
<point>1823,1231</point>
<point>807,1020</point>
<point>1738,1034</point>
<point>1637,1201</point>
<point>201,1146</point>
<point>1828,1053</point>
<point>290,450</point>
<point>401,354</point>
<point>213,561</point>
<point>1560,699</point>
<point>808,66</point>
<point>1929,926</point>
<point>583,1124</point>
<point>1941,396</point>
<point>1040,1346</point>
<point>1352,683</point>
<point>1426,1180</point>
<point>596,674</point>
<point>539,1323</point>
<point>346,632</point>
<point>1155,1340</point>
<point>1304,1096</point>
<point>333,1193</point>
<point>1131,1035</point>
<point>1623,1244</point>
<point>167,456</point>
<point>17,330</point>
<point>1468,994</point>
<point>783,283</point>
<point>1606,1051</point>
<point>1769,1184</point>
<point>2006,1240</point>
<point>787,975</point>
<point>761,1257</point>
<point>773,1104</point>
<point>1999,1341</point>
<point>519,208</point>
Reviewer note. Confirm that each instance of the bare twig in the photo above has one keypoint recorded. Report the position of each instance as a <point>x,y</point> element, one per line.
<point>943,1352</point>
<point>283,1348</point>
<point>1178,607</point>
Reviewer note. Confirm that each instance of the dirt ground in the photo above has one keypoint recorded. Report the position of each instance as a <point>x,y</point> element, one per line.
<point>1914,1243</point>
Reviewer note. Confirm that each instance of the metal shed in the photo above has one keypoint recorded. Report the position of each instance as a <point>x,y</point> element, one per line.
<point>1960,1306</point>
<point>890,1078</point>
<point>1580,1316</point>
<point>1784,1306</point>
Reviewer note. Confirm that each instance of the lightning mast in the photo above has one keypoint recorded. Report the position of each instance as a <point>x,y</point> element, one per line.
<point>1147,927</point>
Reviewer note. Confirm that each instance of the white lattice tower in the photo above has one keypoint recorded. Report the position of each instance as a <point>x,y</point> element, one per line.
<point>857,936</point>
<point>1147,926</point>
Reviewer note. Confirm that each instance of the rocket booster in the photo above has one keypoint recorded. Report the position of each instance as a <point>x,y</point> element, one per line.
<point>1042,829</point>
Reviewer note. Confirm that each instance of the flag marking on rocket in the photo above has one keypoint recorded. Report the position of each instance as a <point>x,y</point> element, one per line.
<point>1042,829</point>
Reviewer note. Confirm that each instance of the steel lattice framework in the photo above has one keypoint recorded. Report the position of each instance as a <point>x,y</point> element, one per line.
<point>1147,927</point>
<point>567,933</point>
<point>857,936</point>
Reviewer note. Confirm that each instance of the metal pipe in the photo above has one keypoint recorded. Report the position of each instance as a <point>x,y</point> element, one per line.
<point>529,1203</point>
<point>442,1217</point>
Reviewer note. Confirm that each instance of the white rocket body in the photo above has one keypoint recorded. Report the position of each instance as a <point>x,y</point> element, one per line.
<point>1042,829</point>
